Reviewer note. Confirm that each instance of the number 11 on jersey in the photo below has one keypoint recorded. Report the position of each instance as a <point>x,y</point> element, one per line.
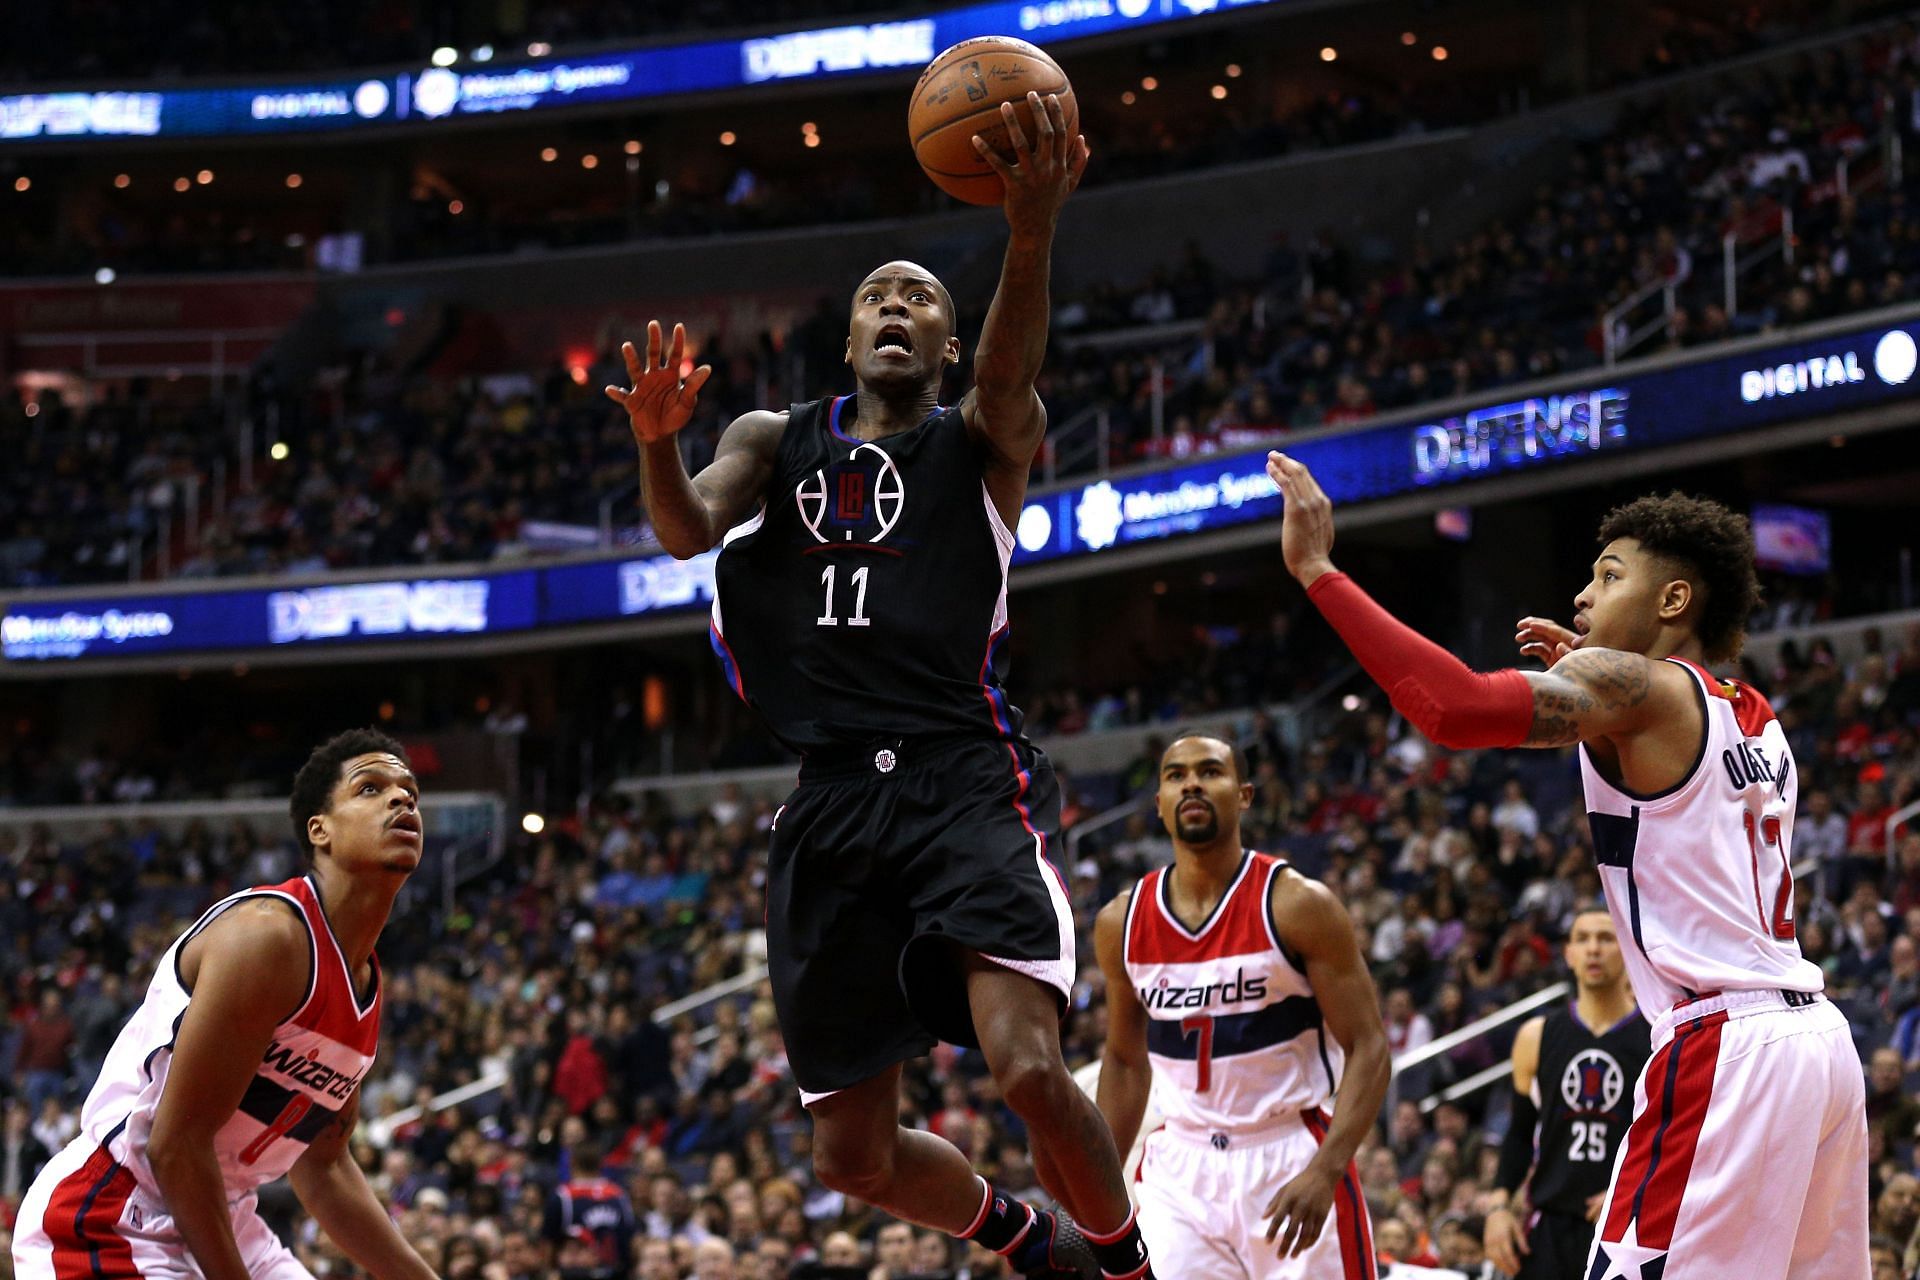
<point>858,580</point>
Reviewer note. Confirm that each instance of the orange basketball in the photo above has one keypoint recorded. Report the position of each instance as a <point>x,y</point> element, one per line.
<point>960,94</point>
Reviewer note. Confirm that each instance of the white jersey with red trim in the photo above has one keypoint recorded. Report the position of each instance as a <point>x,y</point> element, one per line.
<point>316,1059</point>
<point>1234,1034</point>
<point>1699,877</point>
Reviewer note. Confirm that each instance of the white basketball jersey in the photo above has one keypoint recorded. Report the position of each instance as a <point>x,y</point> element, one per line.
<point>1698,877</point>
<point>311,1068</point>
<point>1234,1033</point>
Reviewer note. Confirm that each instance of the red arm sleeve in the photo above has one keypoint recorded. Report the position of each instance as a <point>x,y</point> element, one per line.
<point>1445,699</point>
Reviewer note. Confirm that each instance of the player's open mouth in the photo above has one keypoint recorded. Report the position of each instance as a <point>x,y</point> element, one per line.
<point>408,823</point>
<point>894,338</point>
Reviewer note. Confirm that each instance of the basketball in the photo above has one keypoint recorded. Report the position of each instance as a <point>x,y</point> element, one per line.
<point>960,94</point>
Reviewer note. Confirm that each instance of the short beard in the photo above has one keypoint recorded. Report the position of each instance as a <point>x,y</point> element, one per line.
<point>1204,832</point>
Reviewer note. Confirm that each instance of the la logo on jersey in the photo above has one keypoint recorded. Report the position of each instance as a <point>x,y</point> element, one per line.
<point>1592,1083</point>
<point>858,500</point>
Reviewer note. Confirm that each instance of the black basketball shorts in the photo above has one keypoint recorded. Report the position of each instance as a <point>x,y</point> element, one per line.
<point>884,867</point>
<point>1558,1244</point>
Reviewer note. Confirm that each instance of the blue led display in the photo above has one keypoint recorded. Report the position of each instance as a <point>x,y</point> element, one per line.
<point>1607,416</point>
<point>359,101</point>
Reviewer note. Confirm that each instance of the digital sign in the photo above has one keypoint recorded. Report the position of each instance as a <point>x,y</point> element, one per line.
<point>1638,411</point>
<point>1426,453</point>
<point>478,89</point>
<point>209,621</point>
<point>202,621</point>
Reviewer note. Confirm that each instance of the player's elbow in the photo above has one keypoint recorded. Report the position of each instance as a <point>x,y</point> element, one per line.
<point>684,544</point>
<point>170,1153</point>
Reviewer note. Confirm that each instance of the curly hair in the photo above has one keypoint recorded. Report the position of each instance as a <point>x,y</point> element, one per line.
<point>313,785</point>
<point>1711,546</point>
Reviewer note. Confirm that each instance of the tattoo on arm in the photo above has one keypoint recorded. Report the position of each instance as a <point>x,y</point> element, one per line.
<point>1583,692</point>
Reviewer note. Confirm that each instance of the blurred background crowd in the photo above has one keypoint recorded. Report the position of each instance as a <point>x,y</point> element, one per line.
<point>548,977</point>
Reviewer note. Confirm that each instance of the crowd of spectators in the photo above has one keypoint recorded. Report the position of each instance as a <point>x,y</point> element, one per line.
<point>1460,872</point>
<point>838,184</point>
<point>1326,339</point>
<point>390,466</point>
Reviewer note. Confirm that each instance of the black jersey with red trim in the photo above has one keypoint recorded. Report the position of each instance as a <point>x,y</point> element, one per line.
<point>1584,1090</point>
<point>866,601</point>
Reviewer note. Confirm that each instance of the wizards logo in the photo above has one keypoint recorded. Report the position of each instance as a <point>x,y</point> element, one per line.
<point>857,501</point>
<point>1592,1083</point>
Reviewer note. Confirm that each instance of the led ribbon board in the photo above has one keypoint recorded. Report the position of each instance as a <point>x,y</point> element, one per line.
<point>1607,416</point>
<point>353,101</point>
<point>1717,397</point>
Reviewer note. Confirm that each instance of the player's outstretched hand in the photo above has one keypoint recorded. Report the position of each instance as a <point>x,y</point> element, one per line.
<point>659,403</point>
<point>1306,528</point>
<point>1543,638</point>
<point>1302,1206</point>
<point>1042,171</point>
<point>1504,1241</point>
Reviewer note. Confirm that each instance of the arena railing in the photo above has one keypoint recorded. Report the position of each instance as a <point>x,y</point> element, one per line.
<point>1621,336</point>
<point>1494,1021</point>
<point>1896,820</point>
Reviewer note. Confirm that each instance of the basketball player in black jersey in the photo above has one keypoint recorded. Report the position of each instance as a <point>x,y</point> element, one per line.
<point>1573,1076</point>
<point>861,610</point>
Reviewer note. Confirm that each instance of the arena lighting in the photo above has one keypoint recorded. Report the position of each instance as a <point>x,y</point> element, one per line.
<point>549,154</point>
<point>728,138</point>
<point>181,184</point>
<point>279,451</point>
<point>293,181</point>
<point>811,140</point>
<point>204,177</point>
<point>1329,54</point>
<point>1218,91</point>
<point>533,824</point>
<point>1129,97</point>
<point>1149,84</point>
<point>1407,37</point>
<point>122,181</point>
<point>1439,53</point>
<point>1233,71</point>
<point>539,49</point>
<point>22,182</point>
<point>103,276</point>
<point>1350,703</point>
<point>445,56</point>
<point>483,54</point>
<point>633,146</point>
<point>456,207</point>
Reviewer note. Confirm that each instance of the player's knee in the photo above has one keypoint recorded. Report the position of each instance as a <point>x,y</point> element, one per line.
<point>861,1170</point>
<point>1034,1085</point>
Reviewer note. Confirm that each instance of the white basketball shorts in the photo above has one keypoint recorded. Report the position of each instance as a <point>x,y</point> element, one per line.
<point>1747,1156</point>
<point>85,1216</point>
<point>1201,1196</point>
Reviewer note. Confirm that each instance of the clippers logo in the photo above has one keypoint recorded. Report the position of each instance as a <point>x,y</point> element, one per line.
<point>858,500</point>
<point>1592,1083</point>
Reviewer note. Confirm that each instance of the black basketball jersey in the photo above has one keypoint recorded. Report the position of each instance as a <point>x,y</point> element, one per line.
<point>1584,1089</point>
<point>867,601</point>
